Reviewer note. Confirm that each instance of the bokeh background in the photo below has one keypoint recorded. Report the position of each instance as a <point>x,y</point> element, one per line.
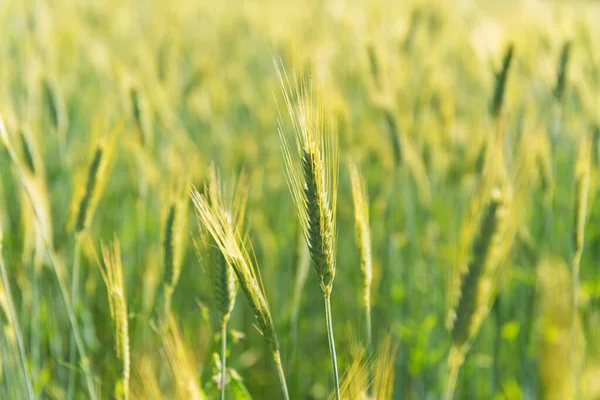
<point>409,86</point>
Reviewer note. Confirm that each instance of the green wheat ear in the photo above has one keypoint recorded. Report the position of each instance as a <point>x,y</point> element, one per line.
<point>112,274</point>
<point>312,174</point>
<point>97,175</point>
<point>472,306</point>
<point>501,80</point>
<point>174,241</point>
<point>561,76</point>
<point>226,233</point>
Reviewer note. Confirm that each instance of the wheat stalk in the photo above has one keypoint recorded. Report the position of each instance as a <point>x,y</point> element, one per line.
<point>312,178</point>
<point>582,178</point>
<point>213,215</point>
<point>15,323</point>
<point>363,239</point>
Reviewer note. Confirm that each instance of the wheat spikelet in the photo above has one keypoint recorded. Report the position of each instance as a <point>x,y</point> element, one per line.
<point>213,215</point>
<point>363,238</point>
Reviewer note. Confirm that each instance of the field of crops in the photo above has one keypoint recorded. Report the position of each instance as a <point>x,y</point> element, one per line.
<point>181,181</point>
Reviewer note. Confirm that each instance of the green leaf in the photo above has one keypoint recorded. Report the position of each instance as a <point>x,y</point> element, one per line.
<point>238,389</point>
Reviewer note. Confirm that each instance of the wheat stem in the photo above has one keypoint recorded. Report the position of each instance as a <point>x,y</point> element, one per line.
<point>281,374</point>
<point>15,324</point>
<point>574,341</point>
<point>223,357</point>
<point>332,345</point>
<point>74,300</point>
<point>455,361</point>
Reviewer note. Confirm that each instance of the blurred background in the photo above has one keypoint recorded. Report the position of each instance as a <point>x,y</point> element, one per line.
<point>410,86</point>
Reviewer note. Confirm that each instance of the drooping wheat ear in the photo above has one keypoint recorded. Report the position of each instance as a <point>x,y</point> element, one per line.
<point>561,76</point>
<point>15,323</point>
<point>582,178</point>
<point>214,217</point>
<point>501,79</point>
<point>56,267</point>
<point>472,306</point>
<point>174,244</point>
<point>363,239</point>
<point>312,177</point>
<point>112,274</point>
<point>221,274</point>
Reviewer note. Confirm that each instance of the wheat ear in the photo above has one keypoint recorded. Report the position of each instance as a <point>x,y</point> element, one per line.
<point>96,178</point>
<point>112,274</point>
<point>213,215</point>
<point>221,274</point>
<point>174,239</point>
<point>363,239</point>
<point>472,308</point>
<point>312,177</point>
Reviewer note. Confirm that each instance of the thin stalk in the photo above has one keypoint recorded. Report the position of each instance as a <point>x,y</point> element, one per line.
<point>574,349</point>
<point>451,384</point>
<point>368,317</point>
<point>74,299</point>
<point>223,357</point>
<point>35,315</point>
<point>54,264</point>
<point>15,324</point>
<point>332,345</point>
<point>279,365</point>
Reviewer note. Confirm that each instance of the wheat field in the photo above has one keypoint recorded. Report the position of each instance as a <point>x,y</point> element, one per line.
<point>340,199</point>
